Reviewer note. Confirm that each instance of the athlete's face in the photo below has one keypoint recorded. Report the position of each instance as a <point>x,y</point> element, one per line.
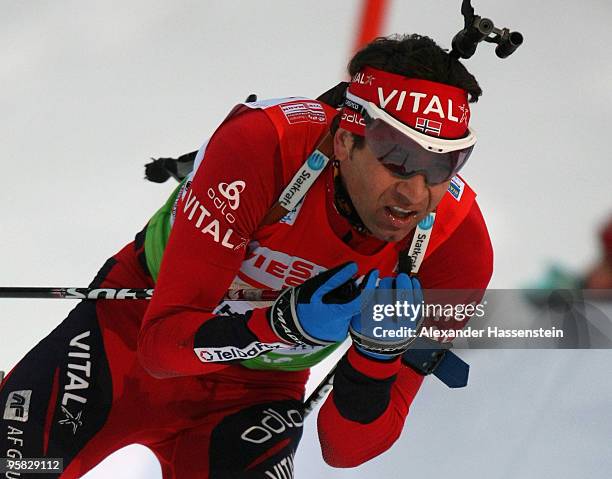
<point>389,206</point>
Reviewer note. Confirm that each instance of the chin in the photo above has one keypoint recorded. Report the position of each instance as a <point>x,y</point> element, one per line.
<point>394,238</point>
<point>390,236</point>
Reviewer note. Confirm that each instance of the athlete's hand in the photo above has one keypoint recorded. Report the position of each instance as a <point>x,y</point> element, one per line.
<point>387,335</point>
<point>319,311</point>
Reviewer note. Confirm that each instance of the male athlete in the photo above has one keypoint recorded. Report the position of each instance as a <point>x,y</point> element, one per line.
<point>291,195</point>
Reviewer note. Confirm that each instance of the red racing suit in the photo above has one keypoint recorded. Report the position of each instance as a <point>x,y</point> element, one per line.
<point>218,241</point>
<point>183,374</point>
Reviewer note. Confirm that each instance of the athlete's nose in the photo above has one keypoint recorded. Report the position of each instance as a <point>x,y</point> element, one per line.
<point>413,190</point>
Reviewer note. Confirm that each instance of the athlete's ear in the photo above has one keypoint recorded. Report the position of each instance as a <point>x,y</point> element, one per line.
<point>343,143</point>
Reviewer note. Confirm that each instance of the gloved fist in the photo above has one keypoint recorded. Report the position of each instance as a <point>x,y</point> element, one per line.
<point>317,312</point>
<point>384,333</point>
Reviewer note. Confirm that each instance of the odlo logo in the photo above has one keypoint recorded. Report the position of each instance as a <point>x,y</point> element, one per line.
<point>18,406</point>
<point>271,424</point>
<point>232,192</point>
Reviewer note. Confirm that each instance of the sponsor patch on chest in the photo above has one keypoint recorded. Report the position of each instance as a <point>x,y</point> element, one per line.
<point>278,270</point>
<point>456,187</point>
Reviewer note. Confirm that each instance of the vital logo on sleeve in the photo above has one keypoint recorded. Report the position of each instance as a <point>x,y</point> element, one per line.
<point>205,219</point>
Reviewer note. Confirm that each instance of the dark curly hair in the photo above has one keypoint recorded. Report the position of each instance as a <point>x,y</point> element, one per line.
<point>414,56</point>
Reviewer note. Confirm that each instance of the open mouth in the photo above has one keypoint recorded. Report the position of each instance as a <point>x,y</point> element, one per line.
<point>400,216</point>
<point>400,213</point>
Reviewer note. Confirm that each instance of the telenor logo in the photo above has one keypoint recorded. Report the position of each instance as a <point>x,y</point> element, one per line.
<point>231,353</point>
<point>427,222</point>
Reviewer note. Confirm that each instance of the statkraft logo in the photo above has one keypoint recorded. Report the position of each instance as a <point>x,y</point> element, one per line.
<point>427,222</point>
<point>317,160</point>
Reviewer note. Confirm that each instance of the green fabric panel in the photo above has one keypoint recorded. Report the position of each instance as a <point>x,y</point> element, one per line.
<point>158,231</point>
<point>289,362</point>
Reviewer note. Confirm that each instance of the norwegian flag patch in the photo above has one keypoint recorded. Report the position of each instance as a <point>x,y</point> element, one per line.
<point>428,126</point>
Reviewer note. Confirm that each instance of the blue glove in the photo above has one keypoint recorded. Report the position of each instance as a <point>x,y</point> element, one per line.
<point>318,312</point>
<point>384,333</point>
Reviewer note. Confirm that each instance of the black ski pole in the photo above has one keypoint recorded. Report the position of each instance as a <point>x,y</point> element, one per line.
<point>249,294</point>
<point>319,392</point>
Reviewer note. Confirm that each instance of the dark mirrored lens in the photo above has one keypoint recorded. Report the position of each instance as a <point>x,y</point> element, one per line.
<point>405,158</point>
